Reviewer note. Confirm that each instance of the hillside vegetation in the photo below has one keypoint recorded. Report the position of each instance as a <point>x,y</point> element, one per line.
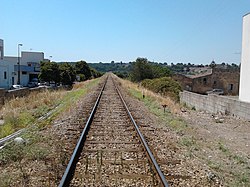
<point>155,78</point>
<point>120,69</point>
<point>165,86</point>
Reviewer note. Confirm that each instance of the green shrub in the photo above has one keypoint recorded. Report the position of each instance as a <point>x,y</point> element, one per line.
<point>165,86</point>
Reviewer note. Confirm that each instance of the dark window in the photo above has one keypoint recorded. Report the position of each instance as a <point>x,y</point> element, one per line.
<point>204,80</point>
<point>5,75</point>
<point>215,82</point>
<point>24,72</point>
<point>231,87</point>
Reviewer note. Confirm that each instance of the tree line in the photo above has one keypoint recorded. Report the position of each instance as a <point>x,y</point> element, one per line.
<point>66,73</point>
<point>144,69</point>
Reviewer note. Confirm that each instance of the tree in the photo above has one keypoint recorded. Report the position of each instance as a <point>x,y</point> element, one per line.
<point>234,65</point>
<point>141,70</point>
<point>82,67</point>
<point>212,64</point>
<point>67,74</point>
<point>160,71</point>
<point>95,73</point>
<point>49,72</point>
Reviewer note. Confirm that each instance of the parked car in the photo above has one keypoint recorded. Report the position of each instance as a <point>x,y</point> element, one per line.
<point>32,84</point>
<point>41,84</point>
<point>215,91</point>
<point>16,86</point>
<point>35,80</point>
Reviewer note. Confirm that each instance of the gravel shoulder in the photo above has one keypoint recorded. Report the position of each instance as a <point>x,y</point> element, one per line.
<point>225,142</point>
<point>235,133</point>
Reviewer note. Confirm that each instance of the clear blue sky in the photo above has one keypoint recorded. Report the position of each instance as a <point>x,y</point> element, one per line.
<point>195,31</point>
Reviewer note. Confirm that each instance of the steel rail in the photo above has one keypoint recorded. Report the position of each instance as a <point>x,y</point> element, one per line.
<point>69,172</point>
<point>143,141</point>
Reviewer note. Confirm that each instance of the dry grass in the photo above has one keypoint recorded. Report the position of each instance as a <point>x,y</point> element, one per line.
<point>81,84</point>
<point>31,102</point>
<point>161,100</point>
<point>21,112</point>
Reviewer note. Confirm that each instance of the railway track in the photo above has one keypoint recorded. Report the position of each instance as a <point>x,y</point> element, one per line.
<point>111,150</point>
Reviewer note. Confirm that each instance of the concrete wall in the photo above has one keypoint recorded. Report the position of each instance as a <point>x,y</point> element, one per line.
<point>27,57</point>
<point>10,59</point>
<point>244,94</point>
<point>10,94</point>
<point>216,104</point>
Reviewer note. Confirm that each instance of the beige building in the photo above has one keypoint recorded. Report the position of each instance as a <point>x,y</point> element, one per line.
<point>217,78</point>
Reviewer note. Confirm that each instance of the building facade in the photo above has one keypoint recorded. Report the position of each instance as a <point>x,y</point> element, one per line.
<point>224,79</point>
<point>29,67</point>
<point>7,75</point>
<point>245,61</point>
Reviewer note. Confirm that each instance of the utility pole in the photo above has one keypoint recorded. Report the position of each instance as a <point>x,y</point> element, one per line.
<point>18,64</point>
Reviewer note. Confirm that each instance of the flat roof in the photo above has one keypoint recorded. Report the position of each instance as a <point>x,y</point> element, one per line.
<point>32,52</point>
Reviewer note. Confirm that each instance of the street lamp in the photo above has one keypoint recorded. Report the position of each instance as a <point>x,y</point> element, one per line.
<point>18,64</point>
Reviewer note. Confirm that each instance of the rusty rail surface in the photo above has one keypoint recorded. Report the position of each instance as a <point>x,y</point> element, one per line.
<point>79,149</point>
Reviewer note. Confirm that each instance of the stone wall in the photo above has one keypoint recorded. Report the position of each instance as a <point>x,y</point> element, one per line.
<point>185,82</point>
<point>225,79</point>
<point>215,104</point>
<point>6,95</point>
<point>202,84</point>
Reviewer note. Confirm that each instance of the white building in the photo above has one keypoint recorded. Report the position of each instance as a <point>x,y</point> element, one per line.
<point>244,94</point>
<point>29,67</point>
<point>7,75</point>
<point>1,50</point>
<point>6,69</point>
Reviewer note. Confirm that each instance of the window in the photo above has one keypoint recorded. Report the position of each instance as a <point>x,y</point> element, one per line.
<point>215,82</point>
<point>5,75</point>
<point>204,80</point>
<point>230,87</point>
<point>1,52</point>
<point>24,72</point>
